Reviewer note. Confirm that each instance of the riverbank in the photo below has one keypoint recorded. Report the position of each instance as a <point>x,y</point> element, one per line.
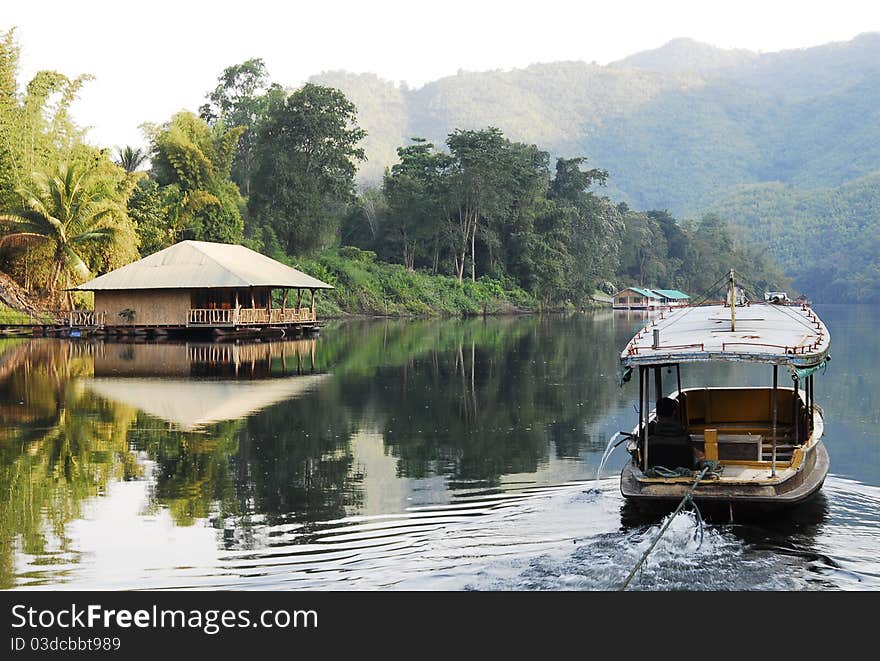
<point>364,286</point>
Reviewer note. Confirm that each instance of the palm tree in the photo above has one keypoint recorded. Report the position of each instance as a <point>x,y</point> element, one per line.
<point>68,209</point>
<point>130,158</point>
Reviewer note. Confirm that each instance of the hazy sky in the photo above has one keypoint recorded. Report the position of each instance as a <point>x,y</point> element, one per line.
<point>151,59</point>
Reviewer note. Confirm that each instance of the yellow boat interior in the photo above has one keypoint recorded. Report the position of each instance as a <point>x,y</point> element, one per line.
<point>735,427</point>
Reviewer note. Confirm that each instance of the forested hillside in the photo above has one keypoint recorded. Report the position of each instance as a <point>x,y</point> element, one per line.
<point>479,222</point>
<point>677,128</point>
<point>682,128</point>
<point>827,239</point>
<point>554,105</point>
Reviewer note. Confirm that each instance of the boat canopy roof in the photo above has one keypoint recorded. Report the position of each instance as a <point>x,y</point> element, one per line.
<point>792,336</point>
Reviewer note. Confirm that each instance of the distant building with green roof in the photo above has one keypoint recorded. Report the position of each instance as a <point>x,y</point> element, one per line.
<point>641,298</point>
<point>672,297</point>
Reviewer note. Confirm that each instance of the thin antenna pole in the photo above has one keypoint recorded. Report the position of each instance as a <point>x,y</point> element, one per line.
<point>732,303</point>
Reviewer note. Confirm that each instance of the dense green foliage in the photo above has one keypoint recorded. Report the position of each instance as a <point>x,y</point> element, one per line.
<point>241,98</point>
<point>365,285</point>
<point>812,234</point>
<point>510,225</point>
<point>691,256</point>
<point>63,208</point>
<point>78,214</point>
<point>490,206</point>
<point>192,163</point>
<point>305,153</point>
<point>681,128</point>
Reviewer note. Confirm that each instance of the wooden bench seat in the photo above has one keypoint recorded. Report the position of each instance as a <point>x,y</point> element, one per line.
<point>734,446</point>
<point>760,426</point>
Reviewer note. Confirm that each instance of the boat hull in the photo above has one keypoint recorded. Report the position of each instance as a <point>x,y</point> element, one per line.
<point>798,488</point>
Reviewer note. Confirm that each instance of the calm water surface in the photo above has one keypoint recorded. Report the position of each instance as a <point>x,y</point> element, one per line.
<point>446,455</point>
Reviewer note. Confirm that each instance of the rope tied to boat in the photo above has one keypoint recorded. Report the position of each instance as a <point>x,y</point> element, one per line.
<point>662,471</point>
<point>714,472</point>
<point>706,468</point>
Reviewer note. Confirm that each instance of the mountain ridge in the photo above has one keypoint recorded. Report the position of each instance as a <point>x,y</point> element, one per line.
<point>568,107</point>
<point>684,139</point>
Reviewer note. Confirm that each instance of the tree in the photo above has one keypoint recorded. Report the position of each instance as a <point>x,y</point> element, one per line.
<point>191,162</point>
<point>477,190</point>
<point>366,223</point>
<point>573,184</point>
<point>241,98</point>
<point>131,158</point>
<point>595,227</point>
<point>304,169</point>
<point>10,116</point>
<point>414,191</point>
<point>677,246</point>
<point>71,209</point>
<point>36,131</point>
<point>146,208</point>
<point>524,236</point>
<point>644,250</point>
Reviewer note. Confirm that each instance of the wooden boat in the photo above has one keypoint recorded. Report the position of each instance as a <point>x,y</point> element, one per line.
<point>762,445</point>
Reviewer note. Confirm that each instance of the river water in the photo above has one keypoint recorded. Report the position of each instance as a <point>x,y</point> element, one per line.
<point>450,455</point>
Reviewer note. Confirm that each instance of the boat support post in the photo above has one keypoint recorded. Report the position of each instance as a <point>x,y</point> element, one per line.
<point>795,396</point>
<point>658,393</point>
<point>680,400</point>
<point>643,427</point>
<point>775,415</point>
<point>811,400</point>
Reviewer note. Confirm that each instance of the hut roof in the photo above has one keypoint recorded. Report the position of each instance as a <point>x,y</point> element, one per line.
<point>203,265</point>
<point>639,290</point>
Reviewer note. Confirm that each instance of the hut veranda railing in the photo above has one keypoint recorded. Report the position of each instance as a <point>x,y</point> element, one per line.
<point>248,316</point>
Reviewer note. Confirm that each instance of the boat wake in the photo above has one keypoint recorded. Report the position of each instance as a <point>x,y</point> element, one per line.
<point>570,536</point>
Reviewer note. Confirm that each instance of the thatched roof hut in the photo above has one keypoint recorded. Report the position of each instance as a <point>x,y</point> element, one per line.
<point>196,284</point>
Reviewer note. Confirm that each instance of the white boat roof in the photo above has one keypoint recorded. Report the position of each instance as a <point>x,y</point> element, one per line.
<point>789,335</point>
<point>201,264</point>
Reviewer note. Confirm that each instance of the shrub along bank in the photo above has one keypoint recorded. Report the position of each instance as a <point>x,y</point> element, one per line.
<point>369,287</point>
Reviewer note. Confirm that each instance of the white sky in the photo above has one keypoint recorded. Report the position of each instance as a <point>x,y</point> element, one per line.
<point>152,58</point>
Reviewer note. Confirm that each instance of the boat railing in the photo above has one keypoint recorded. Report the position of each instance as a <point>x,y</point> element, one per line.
<point>633,350</point>
<point>787,349</point>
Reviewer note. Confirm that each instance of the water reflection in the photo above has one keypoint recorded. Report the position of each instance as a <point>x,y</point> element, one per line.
<point>70,428</point>
<point>356,449</point>
<point>368,419</point>
<point>59,445</point>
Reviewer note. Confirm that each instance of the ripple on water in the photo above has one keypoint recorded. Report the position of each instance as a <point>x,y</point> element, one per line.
<point>563,537</point>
